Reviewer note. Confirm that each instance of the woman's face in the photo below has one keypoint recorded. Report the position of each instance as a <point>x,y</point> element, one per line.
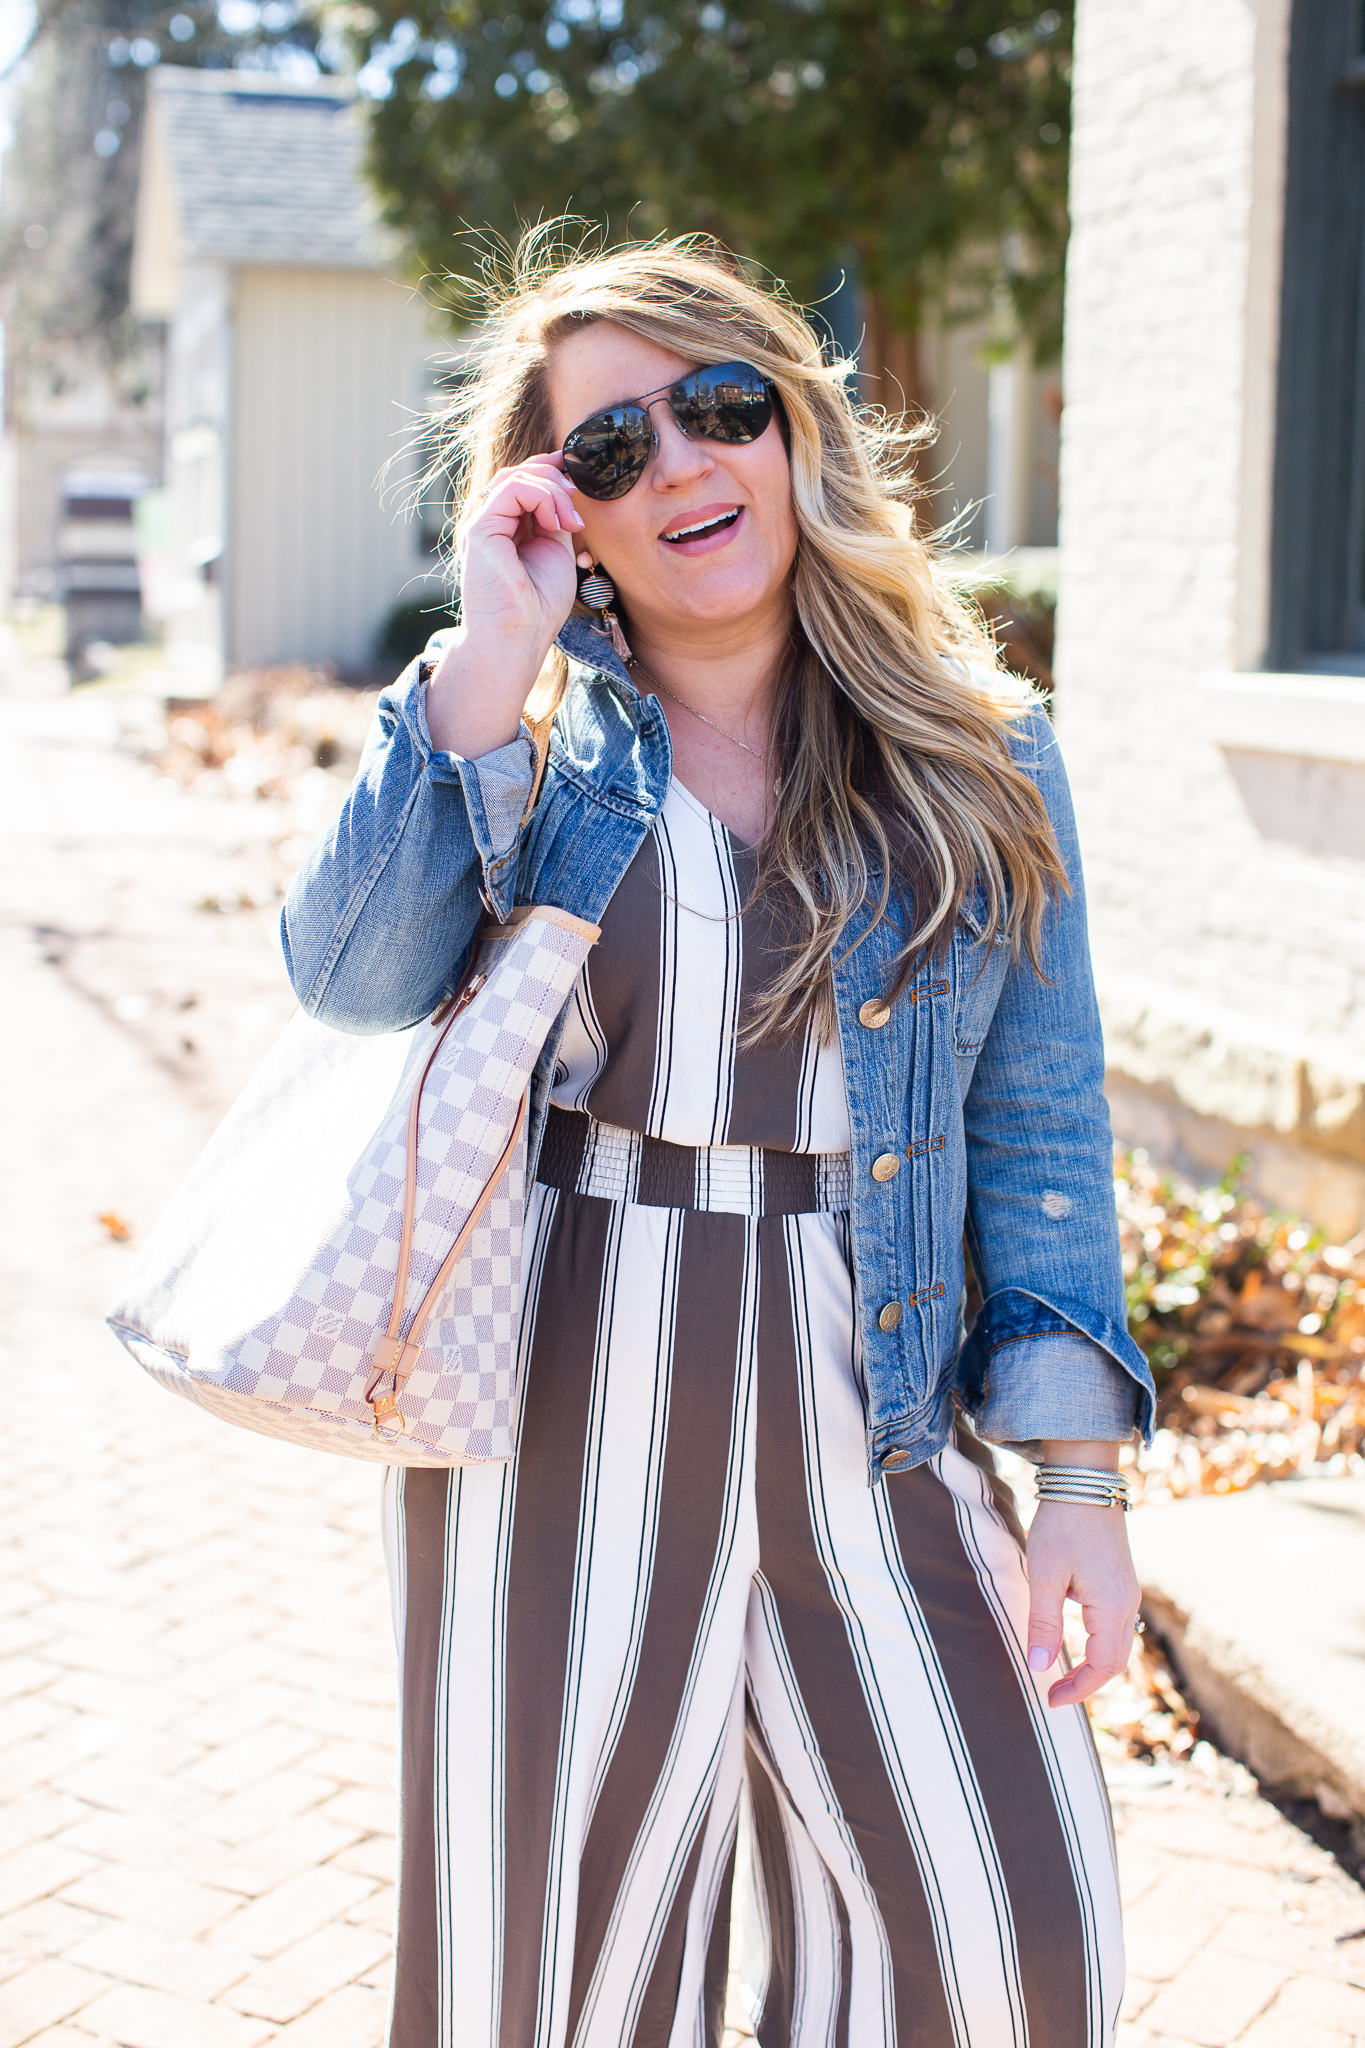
<point>739,566</point>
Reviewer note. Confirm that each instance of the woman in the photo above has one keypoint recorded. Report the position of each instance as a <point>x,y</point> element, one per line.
<point>841,1005</point>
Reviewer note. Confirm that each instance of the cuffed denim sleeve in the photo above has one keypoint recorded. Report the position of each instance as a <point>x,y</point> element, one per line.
<point>1062,1386</point>
<point>384,906</point>
<point>496,787</point>
<point>1041,1223</point>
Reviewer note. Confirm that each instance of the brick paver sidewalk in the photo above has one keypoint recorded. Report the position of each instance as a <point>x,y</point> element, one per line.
<point>199,1730</point>
<point>196,1662</point>
<point>1233,1920</point>
<point>196,1669</point>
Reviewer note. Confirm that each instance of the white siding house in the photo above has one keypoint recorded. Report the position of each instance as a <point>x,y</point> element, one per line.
<point>1211,657</point>
<point>296,360</point>
<point>78,450</point>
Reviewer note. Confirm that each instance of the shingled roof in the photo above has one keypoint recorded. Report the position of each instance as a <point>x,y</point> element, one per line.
<point>265,170</point>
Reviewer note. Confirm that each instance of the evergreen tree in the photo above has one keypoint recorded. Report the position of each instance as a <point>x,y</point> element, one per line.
<point>923,139</point>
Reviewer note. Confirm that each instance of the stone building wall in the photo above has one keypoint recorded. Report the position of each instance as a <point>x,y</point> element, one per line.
<point>1222,810</point>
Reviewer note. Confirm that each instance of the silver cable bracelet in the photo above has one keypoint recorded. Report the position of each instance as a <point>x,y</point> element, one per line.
<point>1066,1475</point>
<point>1084,1500</point>
<point>1082,1486</point>
<point>1083,1492</point>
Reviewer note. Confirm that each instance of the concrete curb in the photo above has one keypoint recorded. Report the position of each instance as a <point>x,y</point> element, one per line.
<point>1260,1598</point>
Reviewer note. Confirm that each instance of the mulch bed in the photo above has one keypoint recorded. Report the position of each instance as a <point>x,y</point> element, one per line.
<point>1254,1326</point>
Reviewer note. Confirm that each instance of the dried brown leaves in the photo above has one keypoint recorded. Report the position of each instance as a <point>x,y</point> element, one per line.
<point>1143,1713</point>
<point>1254,1327</point>
<point>267,733</point>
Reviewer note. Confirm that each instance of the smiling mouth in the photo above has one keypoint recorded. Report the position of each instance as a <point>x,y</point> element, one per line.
<point>703,526</point>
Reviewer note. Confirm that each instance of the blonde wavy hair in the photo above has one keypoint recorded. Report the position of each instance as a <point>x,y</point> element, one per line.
<point>891,715</point>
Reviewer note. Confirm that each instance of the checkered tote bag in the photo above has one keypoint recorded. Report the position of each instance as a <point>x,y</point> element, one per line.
<point>343,1265</point>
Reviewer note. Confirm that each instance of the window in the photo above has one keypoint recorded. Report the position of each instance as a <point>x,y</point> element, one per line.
<point>1318,544</point>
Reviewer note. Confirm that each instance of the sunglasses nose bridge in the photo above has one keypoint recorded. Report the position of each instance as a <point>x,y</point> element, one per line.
<point>665,399</point>
<point>693,440</point>
<point>681,462</point>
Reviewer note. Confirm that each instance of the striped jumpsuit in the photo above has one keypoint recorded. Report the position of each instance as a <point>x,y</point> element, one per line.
<point>683,1598</point>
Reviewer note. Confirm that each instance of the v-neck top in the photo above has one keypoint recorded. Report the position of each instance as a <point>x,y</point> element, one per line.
<point>651,1042</point>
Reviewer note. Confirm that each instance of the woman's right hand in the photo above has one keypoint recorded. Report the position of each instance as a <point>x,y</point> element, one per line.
<point>518,581</point>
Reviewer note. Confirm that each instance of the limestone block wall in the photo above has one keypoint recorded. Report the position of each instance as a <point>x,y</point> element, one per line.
<point>1226,879</point>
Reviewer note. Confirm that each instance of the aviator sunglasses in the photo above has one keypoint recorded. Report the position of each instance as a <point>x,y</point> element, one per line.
<point>608,454</point>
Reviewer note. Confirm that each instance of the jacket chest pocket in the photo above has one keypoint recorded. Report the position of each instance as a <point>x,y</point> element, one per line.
<point>574,851</point>
<point>978,973</point>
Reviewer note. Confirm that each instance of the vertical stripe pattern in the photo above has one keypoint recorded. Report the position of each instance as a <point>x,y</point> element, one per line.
<point>685,1577</point>
<point>681,1604</point>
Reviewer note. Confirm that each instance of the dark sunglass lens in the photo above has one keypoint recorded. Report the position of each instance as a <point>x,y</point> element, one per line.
<point>728,403</point>
<point>606,456</point>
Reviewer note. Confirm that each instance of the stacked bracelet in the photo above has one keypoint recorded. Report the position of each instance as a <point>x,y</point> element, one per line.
<point>1082,1486</point>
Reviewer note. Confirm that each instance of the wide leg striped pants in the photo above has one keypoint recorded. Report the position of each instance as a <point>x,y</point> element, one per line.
<point>684,1578</point>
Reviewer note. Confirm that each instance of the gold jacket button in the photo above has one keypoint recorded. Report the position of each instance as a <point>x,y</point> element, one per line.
<point>874,1014</point>
<point>894,1460</point>
<point>890,1316</point>
<point>886,1167</point>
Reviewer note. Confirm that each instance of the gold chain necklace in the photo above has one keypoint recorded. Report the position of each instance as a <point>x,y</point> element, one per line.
<point>733,738</point>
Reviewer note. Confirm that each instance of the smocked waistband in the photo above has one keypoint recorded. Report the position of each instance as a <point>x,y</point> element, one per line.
<point>585,1157</point>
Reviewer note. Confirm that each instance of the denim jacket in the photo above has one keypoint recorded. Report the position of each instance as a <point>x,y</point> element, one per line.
<point>985,1081</point>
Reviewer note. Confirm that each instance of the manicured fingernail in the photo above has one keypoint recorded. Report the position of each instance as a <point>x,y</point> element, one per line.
<point>1039,1658</point>
<point>575,518</point>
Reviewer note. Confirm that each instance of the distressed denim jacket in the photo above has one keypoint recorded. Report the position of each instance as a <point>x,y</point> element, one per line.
<point>985,1080</point>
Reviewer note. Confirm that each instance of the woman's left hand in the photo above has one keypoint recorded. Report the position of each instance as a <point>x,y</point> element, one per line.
<point>1081,1554</point>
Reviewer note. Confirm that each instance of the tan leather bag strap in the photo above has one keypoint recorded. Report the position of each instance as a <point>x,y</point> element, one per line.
<point>540,740</point>
<point>395,1355</point>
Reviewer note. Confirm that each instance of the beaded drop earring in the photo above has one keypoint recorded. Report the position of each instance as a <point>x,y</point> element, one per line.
<point>597,591</point>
